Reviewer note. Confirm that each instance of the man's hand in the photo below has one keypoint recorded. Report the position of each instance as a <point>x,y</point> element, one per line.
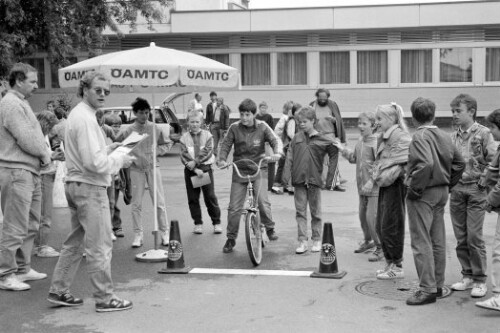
<point>221,164</point>
<point>332,119</point>
<point>339,145</point>
<point>190,165</point>
<point>275,157</point>
<point>127,160</point>
<point>199,173</point>
<point>113,146</point>
<point>58,155</point>
<point>488,207</point>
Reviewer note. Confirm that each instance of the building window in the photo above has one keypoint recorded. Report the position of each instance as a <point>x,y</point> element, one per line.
<point>334,67</point>
<point>372,67</point>
<point>39,65</point>
<point>54,74</point>
<point>416,66</point>
<point>256,69</point>
<point>455,65</point>
<point>292,68</point>
<point>222,58</point>
<point>492,64</point>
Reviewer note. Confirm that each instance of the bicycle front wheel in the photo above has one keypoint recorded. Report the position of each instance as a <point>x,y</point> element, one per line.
<point>253,237</point>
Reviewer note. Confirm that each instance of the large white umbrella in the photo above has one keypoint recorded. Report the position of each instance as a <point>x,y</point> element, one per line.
<point>154,69</point>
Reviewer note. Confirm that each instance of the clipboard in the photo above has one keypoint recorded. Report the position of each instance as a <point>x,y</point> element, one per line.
<point>199,182</point>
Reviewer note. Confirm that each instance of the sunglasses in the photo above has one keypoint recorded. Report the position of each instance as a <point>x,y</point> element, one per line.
<point>100,91</point>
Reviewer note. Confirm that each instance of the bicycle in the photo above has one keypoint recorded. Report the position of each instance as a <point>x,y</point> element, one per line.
<point>253,228</point>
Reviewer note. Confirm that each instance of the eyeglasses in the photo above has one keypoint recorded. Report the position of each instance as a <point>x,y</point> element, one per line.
<point>100,91</point>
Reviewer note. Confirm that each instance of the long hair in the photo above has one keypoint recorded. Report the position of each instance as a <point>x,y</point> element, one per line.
<point>47,120</point>
<point>394,112</point>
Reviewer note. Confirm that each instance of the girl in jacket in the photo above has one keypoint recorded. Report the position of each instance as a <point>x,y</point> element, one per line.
<point>388,174</point>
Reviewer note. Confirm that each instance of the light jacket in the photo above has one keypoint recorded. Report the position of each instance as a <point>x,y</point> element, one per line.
<point>205,144</point>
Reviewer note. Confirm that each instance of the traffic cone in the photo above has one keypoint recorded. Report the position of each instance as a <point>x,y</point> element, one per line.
<point>175,261</point>
<point>328,268</point>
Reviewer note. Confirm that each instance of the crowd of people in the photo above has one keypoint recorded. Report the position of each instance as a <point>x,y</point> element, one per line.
<point>398,174</point>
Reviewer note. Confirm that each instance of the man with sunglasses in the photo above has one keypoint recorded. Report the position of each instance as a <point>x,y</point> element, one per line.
<point>89,174</point>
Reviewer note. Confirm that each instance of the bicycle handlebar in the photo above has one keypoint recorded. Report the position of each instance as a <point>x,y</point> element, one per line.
<point>245,159</point>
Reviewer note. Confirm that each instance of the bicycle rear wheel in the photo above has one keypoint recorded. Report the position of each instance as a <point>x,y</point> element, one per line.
<point>253,237</point>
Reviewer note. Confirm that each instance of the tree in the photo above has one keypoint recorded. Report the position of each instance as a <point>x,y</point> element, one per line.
<point>63,28</point>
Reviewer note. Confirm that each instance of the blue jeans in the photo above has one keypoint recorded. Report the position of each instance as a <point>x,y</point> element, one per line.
<point>428,237</point>
<point>467,217</point>
<point>90,230</point>
<point>237,200</point>
<point>42,238</point>
<point>303,195</point>
<point>21,206</point>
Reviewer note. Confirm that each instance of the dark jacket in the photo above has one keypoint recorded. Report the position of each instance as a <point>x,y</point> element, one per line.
<point>224,116</point>
<point>335,112</point>
<point>433,161</point>
<point>304,160</point>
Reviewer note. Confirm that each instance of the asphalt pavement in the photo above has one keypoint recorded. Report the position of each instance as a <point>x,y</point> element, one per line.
<point>249,303</point>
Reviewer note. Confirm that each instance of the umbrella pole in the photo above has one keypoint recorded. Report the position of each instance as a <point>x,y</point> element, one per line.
<point>155,255</point>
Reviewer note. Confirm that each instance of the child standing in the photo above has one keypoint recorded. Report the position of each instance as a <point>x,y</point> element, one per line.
<point>197,147</point>
<point>364,155</point>
<point>388,174</point>
<point>304,164</point>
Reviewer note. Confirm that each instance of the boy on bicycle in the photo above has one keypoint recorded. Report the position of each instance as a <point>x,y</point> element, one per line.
<point>248,136</point>
<point>304,165</point>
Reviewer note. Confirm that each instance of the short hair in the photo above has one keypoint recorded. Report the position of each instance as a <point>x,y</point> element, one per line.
<point>112,119</point>
<point>20,72</point>
<point>323,90</point>
<point>193,114</point>
<point>213,93</point>
<point>87,79</point>
<point>494,118</point>
<point>370,115</point>
<point>423,110</point>
<point>51,102</point>
<point>295,107</point>
<point>468,101</point>
<point>307,112</point>
<point>287,107</point>
<point>140,104</point>
<point>263,103</point>
<point>60,112</point>
<point>220,99</point>
<point>47,120</point>
<point>247,105</point>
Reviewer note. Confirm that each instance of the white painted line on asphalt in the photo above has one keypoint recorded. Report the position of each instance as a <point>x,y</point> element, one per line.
<point>248,272</point>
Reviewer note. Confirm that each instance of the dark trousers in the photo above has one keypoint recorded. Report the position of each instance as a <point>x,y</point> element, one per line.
<point>271,170</point>
<point>208,195</point>
<point>281,165</point>
<point>391,221</point>
<point>113,194</point>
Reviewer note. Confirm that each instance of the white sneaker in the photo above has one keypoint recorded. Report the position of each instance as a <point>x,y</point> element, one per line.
<point>393,273</point>
<point>479,289</point>
<point>492,303</point>
<point>138,240</point>
<point>465,284</point>
<point>47,252</point>
<point>302,247</point>
<point>113,237</point>
<point>386,268</point>
<point>11,282</point>
<point>32,275</point>
<point>217,229</point>
<point>316,246</point>
<point>198,229</point>
<point>165,238</point>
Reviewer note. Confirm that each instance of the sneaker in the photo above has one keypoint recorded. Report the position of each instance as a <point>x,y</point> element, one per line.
<point>386,268</point>
<point>465,284</point>
<point>365,246</point>
<point>394,273</point>
<point>439,293</point>
<point>47,252</point>
<point>138,240</point>
<point>420,298</point>
<point>65,299</point>
<point>377,255</point>
<point>165,238</point>
<point>198,229</point>
<point>271,234</point>
<point>339,188</point>
<point>276,190</point>
<point>479,289</point>
<point>119,233</point>
<point>228,247</point>
<point>217,229</point>
<point>290,190</point>
<point>316,246</point>
<point>302,247</point>
<point>114,304</point>
<point>492,303</point>
<point>113,237</point>
<point>32,275</point>
<point>11,282</point>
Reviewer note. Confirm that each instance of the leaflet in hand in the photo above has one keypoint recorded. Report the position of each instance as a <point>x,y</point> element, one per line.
<point>129,144</point>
